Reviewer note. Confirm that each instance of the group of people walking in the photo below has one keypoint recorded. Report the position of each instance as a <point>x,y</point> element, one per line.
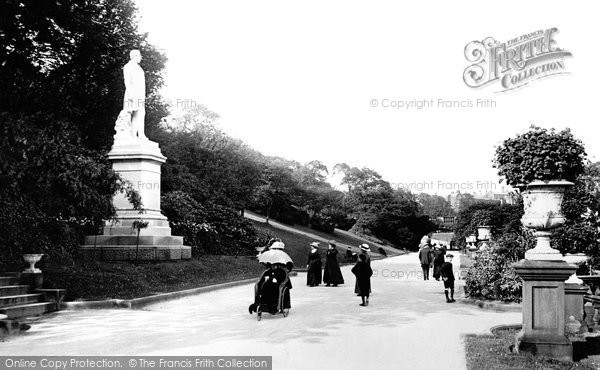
<point>434,254</point>
<point>332,274</point>
<point>431,256</point>
<point>272,289</point>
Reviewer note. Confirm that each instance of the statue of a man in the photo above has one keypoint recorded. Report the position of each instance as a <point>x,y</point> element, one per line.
<point>135,93</point>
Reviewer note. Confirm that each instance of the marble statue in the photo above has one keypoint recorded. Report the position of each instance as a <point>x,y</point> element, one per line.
<point>131,119</point>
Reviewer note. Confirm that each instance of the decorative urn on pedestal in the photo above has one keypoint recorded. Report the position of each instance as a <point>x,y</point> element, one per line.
<point>32,259</point>
<point>484,233</point>
<point>533,162</point>
<point>542,202</point>
<point>577,259</point>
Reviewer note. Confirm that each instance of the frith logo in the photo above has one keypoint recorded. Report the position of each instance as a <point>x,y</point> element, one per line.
<point>514,63</point>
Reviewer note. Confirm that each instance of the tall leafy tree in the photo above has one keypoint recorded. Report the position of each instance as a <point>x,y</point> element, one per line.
<point>434,205</point>
<point>61,78</point>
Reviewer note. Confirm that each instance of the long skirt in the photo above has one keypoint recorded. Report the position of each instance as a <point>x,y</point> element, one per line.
<point>437,268</point>
<point>313,275</point>
<point>332,274</point>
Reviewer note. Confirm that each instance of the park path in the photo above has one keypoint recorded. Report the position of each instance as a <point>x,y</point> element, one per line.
<point>408,325</point>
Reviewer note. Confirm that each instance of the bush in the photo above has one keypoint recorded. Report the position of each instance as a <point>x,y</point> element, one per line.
<point>209,228</point>
<point>322,222</point>
<point>540,154</point>
<point>492,276</point>
<point>339,218</point>
<point>502,218</point>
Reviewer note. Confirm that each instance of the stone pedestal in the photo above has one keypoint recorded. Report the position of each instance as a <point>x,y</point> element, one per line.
<point>543,330</point>
<point>33,279</point>
<point>574,307</point>
<point>137,161</point>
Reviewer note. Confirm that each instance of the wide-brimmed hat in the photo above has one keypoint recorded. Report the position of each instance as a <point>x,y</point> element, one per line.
<point>332,242</point>
<point>277,245</point>
<point>314,244</point>
<point>365,247</point>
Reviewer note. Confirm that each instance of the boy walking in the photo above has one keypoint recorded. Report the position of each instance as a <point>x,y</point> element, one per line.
<point>448,278</point>
<point>363,273</point>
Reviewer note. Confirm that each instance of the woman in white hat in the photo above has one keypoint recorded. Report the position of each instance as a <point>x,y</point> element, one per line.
<point>313,275</point>
<point>365,249</point>
<point>272,291</point>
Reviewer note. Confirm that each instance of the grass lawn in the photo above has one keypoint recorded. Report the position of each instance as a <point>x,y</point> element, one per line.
<point>97,280</point>
<point>341,238</point>
<point>353,241</point>
<point>494,352</point>
<point>297,246</point>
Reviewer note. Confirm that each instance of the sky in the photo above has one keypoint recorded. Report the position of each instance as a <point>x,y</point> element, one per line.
<point>333,80</point>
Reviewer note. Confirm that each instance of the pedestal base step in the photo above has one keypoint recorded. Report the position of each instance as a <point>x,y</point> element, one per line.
<point>558,347</point>
<point>132,253</point>
<point>129,240</point>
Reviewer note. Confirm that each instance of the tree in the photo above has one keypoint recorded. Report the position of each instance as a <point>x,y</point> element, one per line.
<point>277,189</point>
<point>502,218</point>
<point>61,78</point>
<point>434,205</point>
<point>581,208</point>
<point>380,211</point>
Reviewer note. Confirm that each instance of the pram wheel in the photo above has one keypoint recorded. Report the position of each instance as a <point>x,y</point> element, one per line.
<point>286,312</point>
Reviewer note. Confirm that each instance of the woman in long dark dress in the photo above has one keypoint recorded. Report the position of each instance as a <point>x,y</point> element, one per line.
<point>363,272</point>
<point>313,276</point>
<point>333,274</point>
<point>438,260</point>
<point>365,249</point>
<point>272,290</point>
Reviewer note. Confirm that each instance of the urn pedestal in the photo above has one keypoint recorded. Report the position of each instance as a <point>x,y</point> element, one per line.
<point>139,162</point>
<point>574,294</point>
<point>543,330</point>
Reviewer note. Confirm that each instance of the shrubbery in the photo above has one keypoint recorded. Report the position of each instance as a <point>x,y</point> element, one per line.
<point>492,276</point>
<point>209,228</point>
<point>322,222</point>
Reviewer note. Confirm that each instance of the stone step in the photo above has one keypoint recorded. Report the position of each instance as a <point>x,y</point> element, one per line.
<point>7,280</point>
<point>131,240</point>
<point>30,309</point>
<point>127,230</point>
<point>128,252</point>
<point>17,300</point>
<point>11,290</point>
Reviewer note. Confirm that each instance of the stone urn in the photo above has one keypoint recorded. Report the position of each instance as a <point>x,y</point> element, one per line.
<point>32,259</point>
<point>484,233</point>
<point>542,201</point>
<point>575,259</point>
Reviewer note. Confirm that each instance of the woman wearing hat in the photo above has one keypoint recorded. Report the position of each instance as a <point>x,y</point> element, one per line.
<point>272,291</point>
<point>365,249</point>
<point>333,274</point>
<point>313,276</point>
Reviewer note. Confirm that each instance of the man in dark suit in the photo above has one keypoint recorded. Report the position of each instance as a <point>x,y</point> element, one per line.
<point>425,257</point>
